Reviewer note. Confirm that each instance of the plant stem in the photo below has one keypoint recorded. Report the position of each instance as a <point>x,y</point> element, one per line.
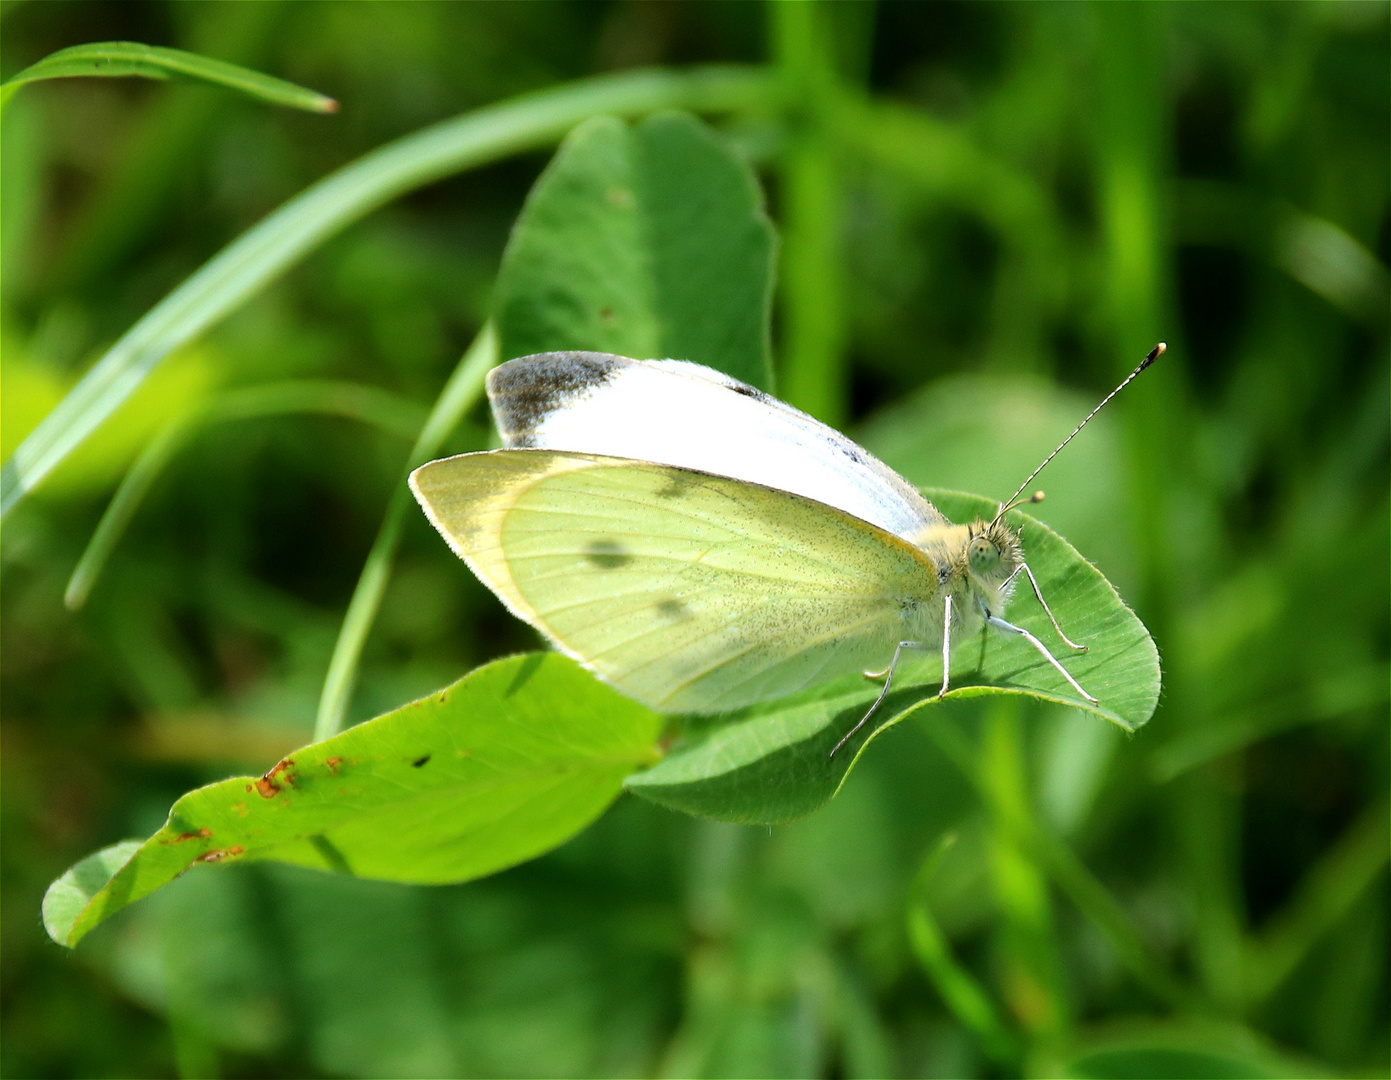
<point>812,373</point>
<point>463,389</point>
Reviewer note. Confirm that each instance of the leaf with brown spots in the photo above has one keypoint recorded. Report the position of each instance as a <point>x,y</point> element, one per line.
<point>522,754</point>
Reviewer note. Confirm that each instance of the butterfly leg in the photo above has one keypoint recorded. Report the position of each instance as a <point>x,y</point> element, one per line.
<point>946,647</point>
<point>1046,609</point>
<point>1000,624</point>
<point>888,676</point>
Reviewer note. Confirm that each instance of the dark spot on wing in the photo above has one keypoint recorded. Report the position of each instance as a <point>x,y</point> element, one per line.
<point>420,761</point>
<point>607,554</point>
<point>678,483</point>
<point>673,609</point>
<point>525,391</point>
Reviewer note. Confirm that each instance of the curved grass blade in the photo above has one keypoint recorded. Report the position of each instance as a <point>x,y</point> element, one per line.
<point>960,991</point>
<point>393,414</point>
<point>509,762</point>
<point>771,764</point>
<point>460,393</point>
<point>342,197</point>
<point>118,58</point>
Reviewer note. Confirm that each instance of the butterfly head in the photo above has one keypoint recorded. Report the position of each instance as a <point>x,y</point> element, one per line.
<point>993,554</point>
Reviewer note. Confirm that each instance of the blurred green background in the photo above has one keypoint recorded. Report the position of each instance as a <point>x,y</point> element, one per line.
<point>989,212</point>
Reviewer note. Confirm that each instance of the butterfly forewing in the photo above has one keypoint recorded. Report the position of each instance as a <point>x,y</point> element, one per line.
<point>691,592</point>
<point>672,412</point>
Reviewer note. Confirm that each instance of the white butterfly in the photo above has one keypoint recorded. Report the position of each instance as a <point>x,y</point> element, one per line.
<point>703,546</point>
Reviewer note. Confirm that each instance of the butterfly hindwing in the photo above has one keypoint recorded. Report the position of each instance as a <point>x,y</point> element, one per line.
<point>691,592</point>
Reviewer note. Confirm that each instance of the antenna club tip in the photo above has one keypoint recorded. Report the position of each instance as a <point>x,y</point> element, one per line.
<point>1037,497</point>
<point>1154,354</point>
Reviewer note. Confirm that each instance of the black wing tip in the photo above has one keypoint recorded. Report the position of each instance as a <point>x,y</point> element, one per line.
<point>524,391</point>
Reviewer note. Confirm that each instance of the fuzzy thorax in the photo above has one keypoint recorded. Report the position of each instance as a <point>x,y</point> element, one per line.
<point>976,564</point>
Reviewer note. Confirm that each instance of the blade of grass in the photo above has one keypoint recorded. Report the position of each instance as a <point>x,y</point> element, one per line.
<point>120,58</point>
<point>960,991</point>
<point>352,401</point>
<point>462,390</point>
<point>1072,875</point>
<point>287,234</point>
<point>813,374</point>
<point>1031,970</point>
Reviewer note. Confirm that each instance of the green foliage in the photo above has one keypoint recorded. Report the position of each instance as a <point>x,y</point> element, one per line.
<point>510,761</point>
<point>772,766</point>
<point>649,242</point>
<point>307,220</point>
<point>113,58</point>
<point>982,232</point>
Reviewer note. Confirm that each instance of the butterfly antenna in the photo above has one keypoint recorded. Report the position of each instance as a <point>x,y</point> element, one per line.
<point>1014,500</point>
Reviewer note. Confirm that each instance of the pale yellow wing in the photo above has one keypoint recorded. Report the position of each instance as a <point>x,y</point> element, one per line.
<point>691,592</point>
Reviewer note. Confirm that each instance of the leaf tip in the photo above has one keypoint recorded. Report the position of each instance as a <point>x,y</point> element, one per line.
<point>69,898</point>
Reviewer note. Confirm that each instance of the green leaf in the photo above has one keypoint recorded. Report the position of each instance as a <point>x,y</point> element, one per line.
<point>1179,1049</point>
<point>649,241</point>
<point>772,763</point>
<point>507,763</point>
<point>71,895</point>
<point>321,210</point>
<point>111,58</point>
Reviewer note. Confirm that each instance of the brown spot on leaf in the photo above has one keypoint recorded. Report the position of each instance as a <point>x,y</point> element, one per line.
<point>267,786</point>
<point>240,807</point>
<point>420,761</point>
<point>333,764</point>
<point>218,854</point>
<point>606,314</point>
<point>201,834</point>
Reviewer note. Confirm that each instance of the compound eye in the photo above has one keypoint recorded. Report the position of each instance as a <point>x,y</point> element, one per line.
<point>983,554</point>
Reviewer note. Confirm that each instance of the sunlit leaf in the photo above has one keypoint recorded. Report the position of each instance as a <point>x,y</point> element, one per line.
<point>510,761</point>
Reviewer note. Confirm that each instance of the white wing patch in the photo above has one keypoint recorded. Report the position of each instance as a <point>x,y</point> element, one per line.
<point>677,413</point>
<point>688,591</point>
